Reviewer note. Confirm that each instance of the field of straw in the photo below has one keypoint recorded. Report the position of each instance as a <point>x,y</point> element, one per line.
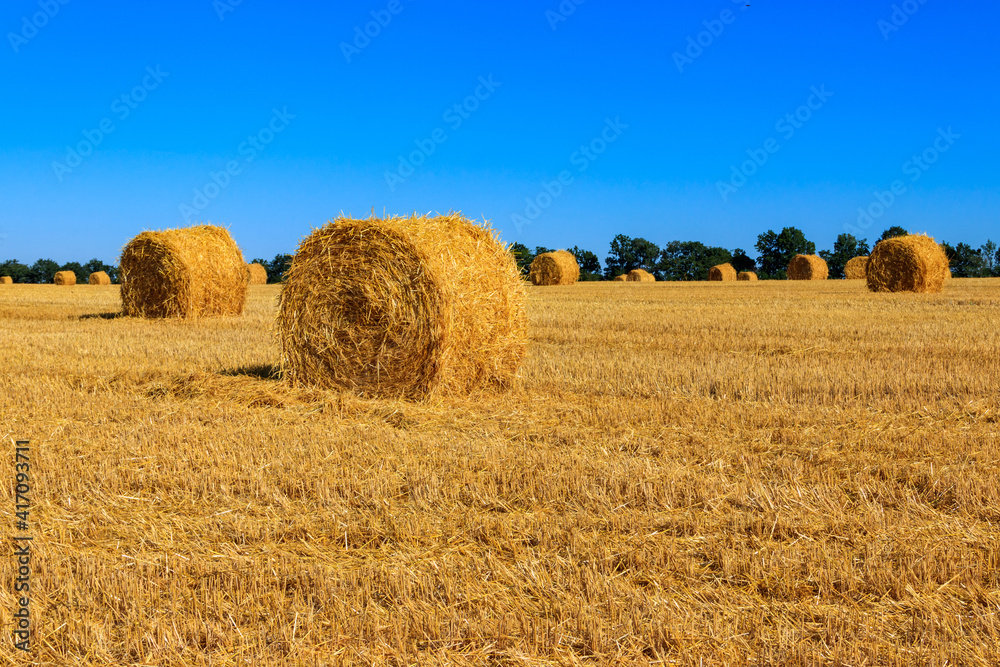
<point>773,473</point>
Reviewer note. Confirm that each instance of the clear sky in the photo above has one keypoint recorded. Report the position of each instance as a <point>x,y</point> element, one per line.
<point>272,118</point>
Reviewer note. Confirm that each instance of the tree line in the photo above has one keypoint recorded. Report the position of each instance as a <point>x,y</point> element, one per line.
<point>677,260</point>
<point>691,260</point>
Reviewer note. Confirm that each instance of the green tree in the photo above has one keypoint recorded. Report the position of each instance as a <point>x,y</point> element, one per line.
<point>777,250</point>
<point>991,258</point>
<point>965,261</point>
<point>42,271</point>
<point>277,267</point>
<point>893,232</point>
<point>590,265</point>
<point>689,260</point>
<point>742,261</point>
<point>17,271</point>
<point>845,248</point>
<point>522,256</point>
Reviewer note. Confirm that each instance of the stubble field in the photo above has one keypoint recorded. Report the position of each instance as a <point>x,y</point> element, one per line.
<point>766,473</point>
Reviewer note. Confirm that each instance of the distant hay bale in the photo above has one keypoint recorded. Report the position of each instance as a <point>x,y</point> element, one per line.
<point>554,268</point>
<point>6,280</point>
<point>807,267</point>
<point>99,278</point>
<point>257,274</point>
<point>621,279</point>
<point>724,272</point>
<point>64,278</point>
<point>403,307</point>
<point>856,268</point>
<point>914,263</point>
<point>189,272</point>
<point>640,276</point>
<point>747,276</point>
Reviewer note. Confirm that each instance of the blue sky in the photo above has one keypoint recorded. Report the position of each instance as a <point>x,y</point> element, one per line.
<point>272,118</point>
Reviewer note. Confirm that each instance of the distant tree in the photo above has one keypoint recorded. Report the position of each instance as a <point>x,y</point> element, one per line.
<point>893,232</point>
<point>77,269</point>
<point>689,260</point>
<point>590,265</point>
<point>965,261</point>
<point>522,256</point>
<point>17,271</point>
<point>42,271</point>
<point>777,250</point>
<point>541,250</point>
<point>742,261</point>
<point>277,267</point>
<point>845,248</point>
<point>95,265</point>
<point>991,258</point>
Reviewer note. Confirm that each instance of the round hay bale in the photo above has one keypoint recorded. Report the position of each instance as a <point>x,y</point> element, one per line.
<point>190,272</point>
<point>621,279</point>
<point>807,267</point>
<point>257,274</point>
<point>64,278</point>
<point>99,278</point>
<point>724,272</point>
<point>554,268</point>
<point>914,263</point>
<point>403,307</point>
<point>856,268</point>
<point>747,276</point>
<point>640,276</point>
<point>6,280</point>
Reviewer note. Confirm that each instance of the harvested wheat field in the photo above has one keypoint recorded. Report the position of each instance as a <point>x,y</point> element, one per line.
<point>683,474</point>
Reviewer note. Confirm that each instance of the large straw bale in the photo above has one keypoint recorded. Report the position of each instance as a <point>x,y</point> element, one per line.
<point>807,267</point>
<point>914,263</point>
<point>641,276</point>
<point>189,272</point>
<point>6,280</point>
<point>99,278</point>
<point>621,279</point>
<point>257,274</point>
<point>747,276</point>
<point>856,268</point>
<point>64,278</point>
<point>724,272</point>
<point>403,307</point>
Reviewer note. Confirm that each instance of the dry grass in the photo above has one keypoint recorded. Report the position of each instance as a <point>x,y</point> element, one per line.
<point>405,307</point>
<point>808,267</point>
<point>190,272</point>
<point>64,278</point>
<point>856,268</point>
<point>554,268</point>
<point>687,474</point>
<point>99,278</point>
<point>724,272</point>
